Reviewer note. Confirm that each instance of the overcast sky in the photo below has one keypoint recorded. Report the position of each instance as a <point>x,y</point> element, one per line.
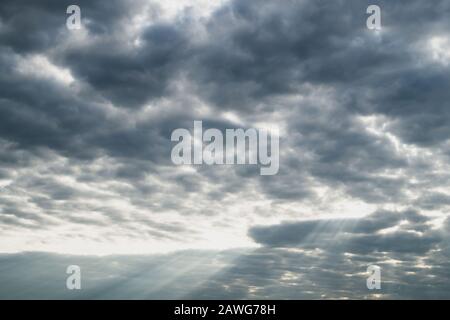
<point>86,118</point>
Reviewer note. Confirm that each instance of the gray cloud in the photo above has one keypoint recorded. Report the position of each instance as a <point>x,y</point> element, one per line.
<point>360,234</point>
<point>86,119</point>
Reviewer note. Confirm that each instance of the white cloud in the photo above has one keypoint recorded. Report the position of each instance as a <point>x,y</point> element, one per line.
<point>40,67</point>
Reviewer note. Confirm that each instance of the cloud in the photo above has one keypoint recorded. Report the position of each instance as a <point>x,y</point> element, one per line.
<point>86,118</point>
<point>404,232</point>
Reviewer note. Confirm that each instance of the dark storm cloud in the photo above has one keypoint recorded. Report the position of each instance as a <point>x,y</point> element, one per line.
<point>134,76</point>
<point>338,150</point>
<point>119,277</point>
<point>126,77</point>
<point>433,200</point>
<point>39,112</point>
<point>30,26</point>
<point>364,115</point>
<point>356,235</point>
<point>260,48</point>
<point>56,119</point>
<point>253,51</point>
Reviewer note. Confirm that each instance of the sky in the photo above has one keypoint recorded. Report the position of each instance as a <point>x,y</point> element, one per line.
<point>86,175</point>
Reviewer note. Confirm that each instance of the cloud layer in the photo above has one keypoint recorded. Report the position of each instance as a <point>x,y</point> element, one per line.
<point>86,118</point>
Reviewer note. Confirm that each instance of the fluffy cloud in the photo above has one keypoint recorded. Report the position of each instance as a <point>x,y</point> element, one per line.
<point>86,118</point>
